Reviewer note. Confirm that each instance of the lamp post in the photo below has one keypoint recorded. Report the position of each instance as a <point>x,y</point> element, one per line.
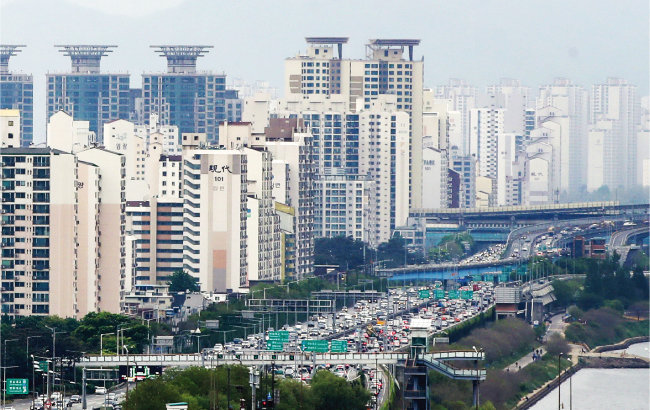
<point>54,332</point>
<point>4,371</point>
<point>559,383</point>
<point>127,370</point>
<point>101,343</point>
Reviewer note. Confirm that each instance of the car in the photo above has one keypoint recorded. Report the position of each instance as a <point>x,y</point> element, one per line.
<point>100,390</point>
<point>75,398</point>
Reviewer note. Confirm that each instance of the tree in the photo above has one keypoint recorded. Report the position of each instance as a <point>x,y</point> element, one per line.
<point>330,391</point>
<point>556,345</point>
<point>182,281</point>
<point>152,394</point>
<point>294,395</point>
<point>343,251</point>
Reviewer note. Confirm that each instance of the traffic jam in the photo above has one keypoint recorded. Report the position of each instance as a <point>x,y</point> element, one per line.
<point>367,327</point>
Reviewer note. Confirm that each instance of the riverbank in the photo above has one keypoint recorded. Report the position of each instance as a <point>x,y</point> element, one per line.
<point>621,345</point>
<point>590,361</point>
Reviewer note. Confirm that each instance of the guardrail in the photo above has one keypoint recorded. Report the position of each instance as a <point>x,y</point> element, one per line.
<point>453,372</point>
<point>256,358</point>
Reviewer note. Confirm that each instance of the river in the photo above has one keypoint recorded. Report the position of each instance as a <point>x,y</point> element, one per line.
<point>594,389</point>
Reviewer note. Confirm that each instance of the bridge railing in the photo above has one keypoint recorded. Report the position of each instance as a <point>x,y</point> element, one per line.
<point>473,374</point>
<point>456,355</point>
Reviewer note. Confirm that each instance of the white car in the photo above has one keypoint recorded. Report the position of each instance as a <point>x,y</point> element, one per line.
<point>100,390</point>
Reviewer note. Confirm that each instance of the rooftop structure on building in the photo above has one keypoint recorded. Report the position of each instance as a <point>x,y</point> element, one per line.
<point>378,44</point>
<point>181,58</point>
<point>6,52</point>
<point>337,41</point>
<point>85,57</point>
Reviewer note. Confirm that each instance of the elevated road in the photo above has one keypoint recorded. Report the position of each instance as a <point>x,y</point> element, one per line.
<point>622,237</point>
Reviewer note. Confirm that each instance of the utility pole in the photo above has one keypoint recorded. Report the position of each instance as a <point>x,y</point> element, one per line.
<point>127,371</point>
<point>83,389</point>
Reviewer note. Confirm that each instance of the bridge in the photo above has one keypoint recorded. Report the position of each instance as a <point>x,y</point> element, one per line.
<point>435,361</point>
<point>426,227</point>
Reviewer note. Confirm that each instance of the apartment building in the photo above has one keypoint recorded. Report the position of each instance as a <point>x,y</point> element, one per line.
<point>39,232</point>
<point>85,93</point>
<point>389,69</point>
<point>192,100</point>
<point>17,93</point>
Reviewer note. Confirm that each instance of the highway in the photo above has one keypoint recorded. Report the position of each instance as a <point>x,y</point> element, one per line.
<point>621,238</point>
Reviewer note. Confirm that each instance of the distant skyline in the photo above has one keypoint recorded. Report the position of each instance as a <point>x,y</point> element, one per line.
<point>479,41</point>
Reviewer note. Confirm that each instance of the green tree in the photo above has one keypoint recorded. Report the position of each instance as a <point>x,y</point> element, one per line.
<point>152,394</point>
<point>556,345</point>
<point>182,281</point>
<point>330,391</point>
<point>343,251</point>
<point>294,396</point>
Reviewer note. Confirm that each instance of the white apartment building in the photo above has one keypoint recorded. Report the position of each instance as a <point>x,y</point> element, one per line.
<point>263,224</point>
<point>291,149</point>
<point>384,159</point>
<point>570,102</point>
<point>436,129</point>
<point>39,232</point>
<point>616,102</point>
<point>643,145</point>
<point>388,70</point>
<point>9,128</point>
<point>111,225</point>
<point>462,98</point>
<point>434,168</point>
<point>514,98</point>
<point>66,134</point>
<point>215,217</point>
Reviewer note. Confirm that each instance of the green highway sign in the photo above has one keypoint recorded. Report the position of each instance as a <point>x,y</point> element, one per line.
<point>439,294</point>
<point>339,346</point>
<point>454,294</point>
<point>43,366</point>
<point>279,335</point>
<point>424,294</point>
<point>319,346</point>
<point>17,386</point>
<point>275,345</point>
<point>477,278</point>
<point>467,294</point>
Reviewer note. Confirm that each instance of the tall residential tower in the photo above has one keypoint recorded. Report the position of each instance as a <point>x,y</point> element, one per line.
<point>17,92</point>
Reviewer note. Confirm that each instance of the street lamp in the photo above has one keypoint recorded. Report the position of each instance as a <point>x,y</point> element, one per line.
<point>559,382</point>
<point>127,370</point>
<point>101,343</point>
<point>4,371</point>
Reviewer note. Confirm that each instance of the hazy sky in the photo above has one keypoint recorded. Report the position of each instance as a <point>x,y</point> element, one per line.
<point>478,40</point>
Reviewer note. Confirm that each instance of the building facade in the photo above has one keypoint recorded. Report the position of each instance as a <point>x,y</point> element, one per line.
<point>17,93</point>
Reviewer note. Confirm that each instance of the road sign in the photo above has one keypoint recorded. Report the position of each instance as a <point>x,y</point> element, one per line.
<point>212,324</point>
<point>466,294</point>
<point>439,294</point>
<point>319,346</point>
<point>282,335</point>
<point>424,294</point>
<point>339,346</point>
<point>43,366</point>
<point>503,277</point>
<point>276,345</point>
<point>454,294</point>
<point>17,386</point>
<point>477,278</point>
